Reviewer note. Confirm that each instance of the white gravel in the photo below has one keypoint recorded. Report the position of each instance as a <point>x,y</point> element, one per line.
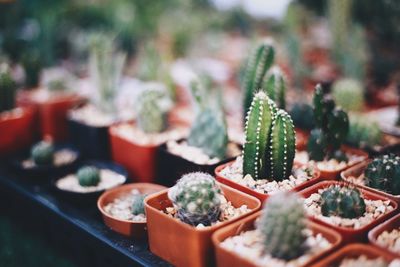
<point>328,165</point>
<point>364,261</point>
<point>90,115</point>
<point>61,157</point>
<point>390,239</point>
<point>11,114</point>
<point>121,207</point>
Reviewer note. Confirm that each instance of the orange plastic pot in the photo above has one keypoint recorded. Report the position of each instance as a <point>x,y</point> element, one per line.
<point>351,235</point>
<point>139,160</point>
<point>354,251</point>
<point>180,243</point>
<point>128,228</point>
<point>16,131</point>
<point>357,171</point>
<point>262,197</point>
<point>226,258</point>
<point>393,223</point>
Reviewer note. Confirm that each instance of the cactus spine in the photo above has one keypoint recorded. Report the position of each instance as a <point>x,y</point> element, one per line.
<point>343,201</point>
<point>257,66</point>
<point>383,173</point>
<point>196,198</point>
<point>270,141</point>
<point>43,153</point>
<point>88,176</point>
<point>7,89</point>
<point>275,86</point>
<point>282,225</point>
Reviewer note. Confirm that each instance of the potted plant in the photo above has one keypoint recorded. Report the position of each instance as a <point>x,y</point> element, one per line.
<point>279,235</point>
<point>186,215</point>
<point>134,145</point>
<point>303,120</point>
<point>16,124</point>
<point>122,208</point>
<point>349,210</point>
<point>89,124</point>
<point>386,235</point>
<point>207,144</point>
<point>325,142</point>
<point>267,162</point>
<point>359,255</point>
<point>381,175</point>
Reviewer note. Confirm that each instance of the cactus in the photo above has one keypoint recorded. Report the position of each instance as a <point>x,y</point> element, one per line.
<point>138,204</point>
<point>343,201</point>
<point>303,116</point>
<point>153,105</point>
<point>275,86</point>
<point>383,173</point>
<point>196,198</point>
<point>348,93</point>
<point>7,89</point>
<point>42,153</point>
<point>282,224</point>
<point>32,64</point>
<point>88,176</point>
<point>270,141</point>
<point>363,132</point>
<point>209,131</point>
<point>257,66</point>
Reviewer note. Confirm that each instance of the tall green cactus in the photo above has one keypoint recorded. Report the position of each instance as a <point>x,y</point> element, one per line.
<point>275,86</point>
<point>7,89</point>
<point>269,148</point>
<point>257,66</point>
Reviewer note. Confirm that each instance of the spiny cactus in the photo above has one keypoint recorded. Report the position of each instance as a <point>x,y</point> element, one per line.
<point>209,130</point>
<point>363,132</point>
<point>32,64</point>
<point>197,199</point>
<point>153,105</point>
<point>7,89</point>
<point>282,225</point>
<point>258,64</point>
<point>138,204</point>
<point>88,176</point>
<point>303,116</point>
<point>348,94</point>
<point>42,153</point>
<point>383,173</point>
<point>343,201</point>
<point>269,148</point>
<point>275,86</point>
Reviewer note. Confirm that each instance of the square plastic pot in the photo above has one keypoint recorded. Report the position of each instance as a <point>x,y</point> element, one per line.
<point>182,244</point>
<point>393,223</point>
<point>226,258</point>
<point>351,235</point>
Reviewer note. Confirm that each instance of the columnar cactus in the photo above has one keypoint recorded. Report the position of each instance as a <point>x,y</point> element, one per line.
<point>42,153</point>
<point>138,204</point>
<point>275,86</point>
<point>197,199</point>
<point>343,201</point>
<point>259,63</point>
<point>348,94</point>
<point>282,225</point>
<point>269,148</point>
<point>88,176</point>
<point>7,89</point>
<point>383,173</point>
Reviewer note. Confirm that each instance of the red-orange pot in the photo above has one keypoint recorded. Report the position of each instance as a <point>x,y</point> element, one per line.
<point>354,251</point>
<point>180,243</point>
<point>226,258</point>
<point>16,131</point>
<point>128,228</point>
<point>350,235</point>
<point>393,223</point>
<point>262,197</point>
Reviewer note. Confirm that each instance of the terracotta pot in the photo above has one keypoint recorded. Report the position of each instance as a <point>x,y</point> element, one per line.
<point>180,243</point>
<point>393,223</point>
<point>226,258</point>
<point>354,251</point>
<point>358,170</point>
<point>349,234</point>
<point>301,139</point>
<point>262,197</point>
<point>128,228</point>
<point>16,132</point>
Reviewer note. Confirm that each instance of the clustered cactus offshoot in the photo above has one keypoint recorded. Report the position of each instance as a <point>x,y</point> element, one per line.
<point>7,89</point>
<point>275,86</point>
<point>343,201</point>
<point>138,204</point>
<point>269,149</point>
<point>88,176</point>
<point>383,173</point>
<point>332,128</point>
<point>42,153</point>
<point>282,226</point>
<point>197,199</point>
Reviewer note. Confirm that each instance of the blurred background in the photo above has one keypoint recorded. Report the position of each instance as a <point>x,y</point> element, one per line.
<point>168,40</point>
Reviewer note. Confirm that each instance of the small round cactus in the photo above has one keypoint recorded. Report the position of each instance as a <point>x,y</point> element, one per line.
<point>138,204</point>
<point>43,153</point>
<point>282,225</point>
<point>342,201</point>
<point>303,116</point>
<point>197,199</point>
<point>88,176</point>
<point>348,94</point>
<point>383,173</point>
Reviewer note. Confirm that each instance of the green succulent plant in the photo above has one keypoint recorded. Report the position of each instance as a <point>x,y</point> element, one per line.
<point>363,132</point>
<point>303,116</point>
<point>275,85</point>
<point>7,89</point>
<point>348,94</point>
<point>88,176</point>
<point>383,173</point>
<point>42,153</point>
<point>138,204</point>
